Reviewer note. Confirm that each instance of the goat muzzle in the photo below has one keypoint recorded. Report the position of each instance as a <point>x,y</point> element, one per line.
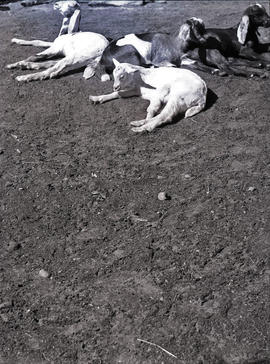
<point>266,23</point>
<point>116,87</point>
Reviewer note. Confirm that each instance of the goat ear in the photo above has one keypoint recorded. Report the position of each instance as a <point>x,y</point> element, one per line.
<point>184,32</point>
<point>74,23</point>
<point>243,29</point>
<point>115,62</point>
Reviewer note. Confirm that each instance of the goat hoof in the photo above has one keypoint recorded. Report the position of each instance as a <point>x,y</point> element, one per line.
<point>14,40</point>
<point>137,123</point>
<point>95,100</point>
<point>10,66</point>
<point>222,73</point>
<point>138,130</point>
<point>105,77</point>
<point>264,75</point>
<point>143,128</point>
<point>21,79</point>
<point>52,75</point>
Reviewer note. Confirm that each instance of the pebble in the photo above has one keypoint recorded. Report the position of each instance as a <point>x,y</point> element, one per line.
<point>251,189</point>
<point>43,273</point>
<point>4,317</point>
<point>6,304</point>
<point>162,196</point>
<point>13,245</point>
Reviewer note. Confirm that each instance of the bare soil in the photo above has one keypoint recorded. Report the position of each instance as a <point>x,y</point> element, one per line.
<point>80,201</point>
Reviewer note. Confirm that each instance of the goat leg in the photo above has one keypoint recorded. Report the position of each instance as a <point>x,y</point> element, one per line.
<point>200,66</point>
<point>103,98</point>
<point>250,54</point>
<point>35,43</point>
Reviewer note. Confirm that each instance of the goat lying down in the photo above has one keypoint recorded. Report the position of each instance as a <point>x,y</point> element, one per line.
<point>81,49</point>
<point>178,90</point>
<point>238,45</point>
<point>71,12</point>
<point>158,49</point>
<point>188,48</point>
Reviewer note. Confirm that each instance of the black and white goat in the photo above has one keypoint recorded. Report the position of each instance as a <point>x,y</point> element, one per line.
<point>78,49</point>
<point>188,48</point>
<point>238,45</point>
<point>158,49</point>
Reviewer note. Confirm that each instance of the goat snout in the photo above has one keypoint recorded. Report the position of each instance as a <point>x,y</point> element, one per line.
<point>202,40</point>
<point>266,23</point>
<point>116,87</point>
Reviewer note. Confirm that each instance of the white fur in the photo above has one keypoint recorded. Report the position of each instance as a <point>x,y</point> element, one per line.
<point>198,19</point>
<point>71,12</point>
<point>143,47</point>
<point>71,22</point>
<point>178,90</point>
<point>79,49</point>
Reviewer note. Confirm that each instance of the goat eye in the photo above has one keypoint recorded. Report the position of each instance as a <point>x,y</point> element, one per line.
<point>121,77</point>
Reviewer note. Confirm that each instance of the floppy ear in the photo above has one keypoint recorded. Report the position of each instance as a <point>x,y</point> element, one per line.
<point>115,62</point>
<point>74,23</point>
<point>184,31</point>
<point>243,29</point>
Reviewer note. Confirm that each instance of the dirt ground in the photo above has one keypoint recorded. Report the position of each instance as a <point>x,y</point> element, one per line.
<point>79,200</point>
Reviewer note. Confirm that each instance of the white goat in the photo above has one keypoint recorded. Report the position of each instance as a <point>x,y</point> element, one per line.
<point>180,90</point>
<point>71,12</point>
<point>78,49</point>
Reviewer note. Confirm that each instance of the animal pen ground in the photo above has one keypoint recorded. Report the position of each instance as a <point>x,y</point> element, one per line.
<point>80,201</point>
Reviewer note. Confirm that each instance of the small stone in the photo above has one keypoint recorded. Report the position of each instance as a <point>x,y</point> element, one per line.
<point>251,189</point>
<point>43,273</point>
<point>13,245</point>
<point>162,196</point>
<point>8,184</point>
<point>187,176</point>
<point>4,317</point>
<point>6,304</point>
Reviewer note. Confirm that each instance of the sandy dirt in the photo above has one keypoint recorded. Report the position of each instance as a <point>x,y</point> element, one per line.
<point>80,201</point>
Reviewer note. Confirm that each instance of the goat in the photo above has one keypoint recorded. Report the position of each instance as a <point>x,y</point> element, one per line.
<point>236,46</point>
<point>178,90</point>
<point>158,49</point>
<point>188,48</point>
<point>70,24</point>
<point>81,49</point>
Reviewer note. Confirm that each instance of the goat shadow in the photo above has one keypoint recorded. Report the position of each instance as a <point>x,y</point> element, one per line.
<point>4,8</point>
<point>210,99</point>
